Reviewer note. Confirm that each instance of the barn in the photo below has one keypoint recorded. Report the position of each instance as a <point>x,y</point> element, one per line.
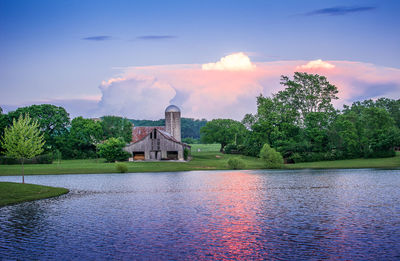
<point>160,142</point>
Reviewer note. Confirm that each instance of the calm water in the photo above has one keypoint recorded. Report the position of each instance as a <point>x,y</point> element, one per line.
<point>324,214</point>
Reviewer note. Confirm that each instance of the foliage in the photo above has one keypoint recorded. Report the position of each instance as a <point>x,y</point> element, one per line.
<point>232,149</point>
<point>53,121</point>
<point>112,151</point>
<point>121,167</point>
<point>186,153</point>
<point>190,127</point>
<point>307,93</point>
<point>83,137</point>
<point>40,159</point>
<point>301,123</point>
<point>116,127</point>
<point>23,140</point>
<point>236,163</point>
<point>272,159</point>
<point>223,131</point>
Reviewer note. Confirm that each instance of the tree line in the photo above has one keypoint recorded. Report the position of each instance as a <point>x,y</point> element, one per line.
<point>190,128</point>
<point>73,139</point>
<point>301,123</point>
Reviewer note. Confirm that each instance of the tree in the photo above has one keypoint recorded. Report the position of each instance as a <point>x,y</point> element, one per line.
<point>307,93</point>
<point>114,126</point>
<point>53,122</point>
<point>272,159</point>
<point>23,140</point>
<point>111,150</point>
<point>223,131</point>
<point>83,137</point>
<point>4,122</point>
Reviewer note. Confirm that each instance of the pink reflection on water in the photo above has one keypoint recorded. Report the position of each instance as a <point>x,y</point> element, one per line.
<point>233,228</point>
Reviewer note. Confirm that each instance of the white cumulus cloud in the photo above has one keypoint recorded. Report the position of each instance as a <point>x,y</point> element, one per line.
<point>232,62</point>
<point>316,64</point>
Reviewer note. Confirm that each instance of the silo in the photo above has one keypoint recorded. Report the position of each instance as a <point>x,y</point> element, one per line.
<point>173,121</point>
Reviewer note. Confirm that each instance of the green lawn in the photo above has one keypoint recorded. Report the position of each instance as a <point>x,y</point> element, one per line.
<point>209,158</point>
<point>13,193</point>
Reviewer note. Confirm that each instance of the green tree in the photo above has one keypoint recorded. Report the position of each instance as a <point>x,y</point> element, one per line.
<point>111,150</point>
<point>4,122</point>
<point>83,137</point>
<point>272,159</point>
<point>115,127</point>
<point>223,131</point>
<point>23,140</point>
<point>307,93</point>
<point>53,122</point>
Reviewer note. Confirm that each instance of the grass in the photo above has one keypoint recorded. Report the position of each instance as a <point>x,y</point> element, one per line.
<point>13,193</point>
<point>208,158</point>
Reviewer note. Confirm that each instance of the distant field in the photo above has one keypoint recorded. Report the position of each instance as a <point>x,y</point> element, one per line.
<point>208,158</point>
<point>205,147</point>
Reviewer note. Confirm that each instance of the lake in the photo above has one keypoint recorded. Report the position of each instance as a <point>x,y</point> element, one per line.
<point>296,215</point>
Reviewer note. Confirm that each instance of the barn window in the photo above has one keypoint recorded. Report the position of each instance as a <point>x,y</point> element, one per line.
<point>155,134</point>
<point>151,135</point>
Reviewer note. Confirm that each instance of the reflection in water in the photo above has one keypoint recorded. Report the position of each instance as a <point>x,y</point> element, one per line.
<point>232,222</point>
<point>335,214</point>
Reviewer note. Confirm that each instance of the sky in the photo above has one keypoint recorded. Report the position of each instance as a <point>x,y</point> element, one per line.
<point>211,58</point>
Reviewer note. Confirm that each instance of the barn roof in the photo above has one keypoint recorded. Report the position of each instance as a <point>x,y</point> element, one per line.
<point>139,133</point>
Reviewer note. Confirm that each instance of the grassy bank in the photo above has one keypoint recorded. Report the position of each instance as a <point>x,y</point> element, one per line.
<point>205,157</point>
<point>13,193</point>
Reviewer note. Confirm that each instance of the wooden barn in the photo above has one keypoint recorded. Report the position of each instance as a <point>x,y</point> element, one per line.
<point>155,143</point>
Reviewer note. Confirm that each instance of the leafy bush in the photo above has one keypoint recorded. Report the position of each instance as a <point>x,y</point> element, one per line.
<point>40,159</point>
<point>272,159</point>
<point>236,163</point>
<point>185,154</point>
<point>121,167</point>
<point>111,150</point>
<point>231,149</point>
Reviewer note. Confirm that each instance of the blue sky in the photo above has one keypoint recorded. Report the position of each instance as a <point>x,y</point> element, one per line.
<point>61,51</point>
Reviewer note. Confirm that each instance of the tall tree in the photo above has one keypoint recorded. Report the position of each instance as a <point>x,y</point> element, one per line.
<point>117,127</point>
<point>23,140</point>
<point>307,93</point>
<point>83,137</point>
<point>52,120</point>
<point>223,131</point>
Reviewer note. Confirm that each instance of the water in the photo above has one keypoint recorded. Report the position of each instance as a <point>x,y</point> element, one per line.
<point>321,214</point>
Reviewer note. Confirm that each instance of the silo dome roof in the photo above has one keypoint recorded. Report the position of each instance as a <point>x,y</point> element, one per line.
<point>172,108</point>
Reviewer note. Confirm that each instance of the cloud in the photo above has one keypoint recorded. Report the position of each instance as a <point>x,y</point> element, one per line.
<point>138,96</point>
<point>316,64</point>
<point>232,62</point>
<point>341,10</point>
<point>97,38</point>
<point>144,92</point>
<point>156,37</point>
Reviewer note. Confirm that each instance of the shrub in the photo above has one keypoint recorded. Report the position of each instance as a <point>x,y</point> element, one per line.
<point>40,159</point>
<point>272,159</point>
<point>111,150</point>
<point>121,167</point>
<point>231,149</point>
<point>185,154</point>
<point>236,163</point>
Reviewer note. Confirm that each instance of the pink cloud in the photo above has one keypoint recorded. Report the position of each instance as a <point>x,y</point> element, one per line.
<point>143,92</point>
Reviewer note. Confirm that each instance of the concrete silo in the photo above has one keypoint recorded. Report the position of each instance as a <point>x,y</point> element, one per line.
<point>173,121</point>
